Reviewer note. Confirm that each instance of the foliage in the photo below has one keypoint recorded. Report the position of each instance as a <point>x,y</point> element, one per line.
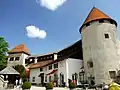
<point>49,86</point>
<point>3,52</point>
<point>26,85</point>
<point>72,85</point>
<point>22,71</point>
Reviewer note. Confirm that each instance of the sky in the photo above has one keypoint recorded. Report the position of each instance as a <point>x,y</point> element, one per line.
<point>46,26</point>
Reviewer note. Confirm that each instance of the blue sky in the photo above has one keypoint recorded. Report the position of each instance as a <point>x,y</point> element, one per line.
<point>58,26</point>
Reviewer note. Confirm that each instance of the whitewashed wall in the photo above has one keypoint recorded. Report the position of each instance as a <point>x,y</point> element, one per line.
<point>35,73</point>
<point>62,68</point>
<point>102,51</point>
<point>74,66</point>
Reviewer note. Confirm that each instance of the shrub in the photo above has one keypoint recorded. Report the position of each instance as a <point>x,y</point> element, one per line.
<point>26,85</point>
<point>72,85</point>
<point>49,86</point>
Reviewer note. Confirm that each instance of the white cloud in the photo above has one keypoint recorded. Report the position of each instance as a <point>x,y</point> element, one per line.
<point>51,4</point>
<point>35,32</point>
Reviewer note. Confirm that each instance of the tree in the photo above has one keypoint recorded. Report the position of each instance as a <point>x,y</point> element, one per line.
<point>22,71</point>
<point>3,52</point>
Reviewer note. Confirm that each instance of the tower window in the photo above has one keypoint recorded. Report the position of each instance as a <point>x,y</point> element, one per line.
<point>12,58</point>
<point>101,21</point>
<point>17,59</point>
<point>106,35</point>
<point>111,22</point>
<point>112,74</point>
<point>88,24</point>
<point>90,64</point>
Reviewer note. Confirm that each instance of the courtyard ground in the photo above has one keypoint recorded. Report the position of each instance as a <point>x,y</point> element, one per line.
<point>55,88</point>
<point>43,88</point>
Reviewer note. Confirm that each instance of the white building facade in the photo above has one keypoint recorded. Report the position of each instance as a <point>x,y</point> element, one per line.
<point>64,70</point>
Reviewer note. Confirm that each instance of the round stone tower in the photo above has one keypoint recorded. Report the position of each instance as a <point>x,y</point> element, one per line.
<point>99,39</point>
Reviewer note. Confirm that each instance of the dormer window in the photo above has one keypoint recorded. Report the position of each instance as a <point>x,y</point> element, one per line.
<point>17,59</point>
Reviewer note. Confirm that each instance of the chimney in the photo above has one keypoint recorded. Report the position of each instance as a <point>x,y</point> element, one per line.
<point>55,56</point>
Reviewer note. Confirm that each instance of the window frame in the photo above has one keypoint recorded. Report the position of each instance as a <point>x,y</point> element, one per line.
<point>55,65</point>
<point>12,59</point>
<point>90,64</point>
<point>50,78</point>
<point>17,59</point>
<point>107,36</point>
<point>50,67</point>
<point>33,79</point>
<point>41,69</point>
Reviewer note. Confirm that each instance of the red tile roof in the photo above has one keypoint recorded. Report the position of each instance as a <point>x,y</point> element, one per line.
<point>96,14</point>
<point>41,64</point>
<point>20,48</point>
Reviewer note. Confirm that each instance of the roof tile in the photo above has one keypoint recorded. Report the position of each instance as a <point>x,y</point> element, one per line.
<point>20,48</point>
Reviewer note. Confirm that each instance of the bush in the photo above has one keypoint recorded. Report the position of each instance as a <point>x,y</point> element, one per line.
<point>72,85</point>
<point>26,85</point>
<point>49,86</point>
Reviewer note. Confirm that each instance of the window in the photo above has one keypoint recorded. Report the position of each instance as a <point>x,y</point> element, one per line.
<point>49,78</point>
<point>88,24</point>
<point>56,65</point>
<point>41,69</point>
<point>112,74</point>
<point>50,67</point>
<point>46,78</point>
<point>106,35</point>
<point>90,64</point>
<point>55,77</point>
<point>17,59</point>
<point>73,77</point>
<point>111,21</point>
<point>12,58</point>
<point>101,21</point>
<point>33,79</point>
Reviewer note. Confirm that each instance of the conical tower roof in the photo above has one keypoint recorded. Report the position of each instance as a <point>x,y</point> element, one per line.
<point>96,14</point>
<point>20,49</point>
